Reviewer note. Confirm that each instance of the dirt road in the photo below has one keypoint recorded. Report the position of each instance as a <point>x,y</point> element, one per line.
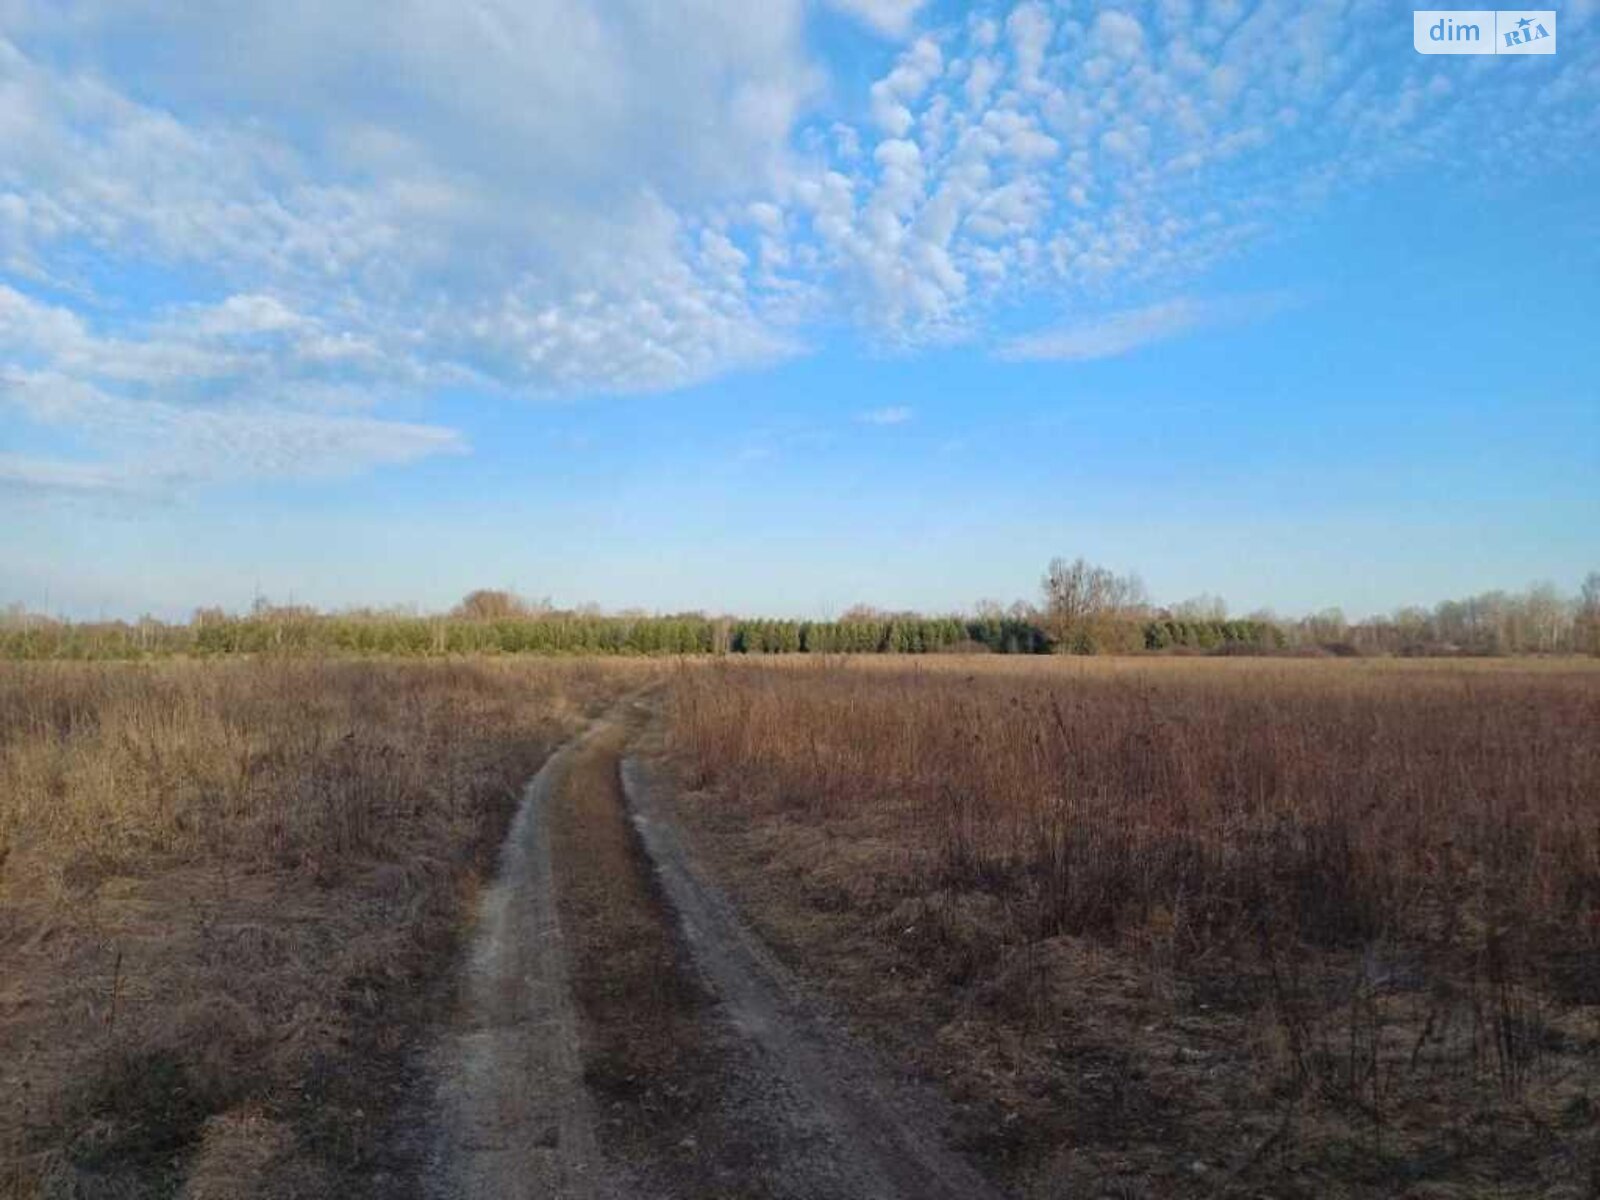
<point>787,1104</point>
<point>841,1124</point>
<point>512,1117</point>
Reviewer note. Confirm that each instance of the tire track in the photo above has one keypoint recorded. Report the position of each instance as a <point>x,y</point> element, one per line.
<point>796,1110</point>
<point>512,1117</point>
<point>835,1123</point>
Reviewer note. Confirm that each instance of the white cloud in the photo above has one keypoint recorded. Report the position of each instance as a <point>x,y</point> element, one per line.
<point>247,314</point>
<point>170,408</point>
<point>1030,29</point>
<point>566,197</point>
<point>1072,161</point>
<point>892,18</point>
<point>982,74</point>
<point>150,444</point>
<point>908,82</point>
<point>36,478</point>
<point>897,414</point>
<point>1120,333</point>
<point>535,220</point>
<point>1120,33</point>
<point>537,141</point>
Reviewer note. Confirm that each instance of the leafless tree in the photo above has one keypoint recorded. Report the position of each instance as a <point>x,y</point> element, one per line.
<point>1587,623</point>
<point>1088,607</point>
<point>488,604</point>
<point>1204,607</point>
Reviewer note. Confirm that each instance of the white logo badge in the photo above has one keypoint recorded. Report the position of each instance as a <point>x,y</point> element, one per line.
<point>1484,31</point>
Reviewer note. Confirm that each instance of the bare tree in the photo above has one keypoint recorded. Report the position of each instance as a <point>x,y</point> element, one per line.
<point>1586,632</point>
<point>1547,617</point>
<point>1204,607</point>
<point>488,604</point>
<point>1069,589</point>
<point>1089,608</point>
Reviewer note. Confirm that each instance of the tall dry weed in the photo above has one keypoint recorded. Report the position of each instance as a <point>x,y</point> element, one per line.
<point>1388,875</point>
<point>227,893</point>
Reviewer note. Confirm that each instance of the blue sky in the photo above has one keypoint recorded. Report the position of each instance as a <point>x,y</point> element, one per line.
<point>782,308</point>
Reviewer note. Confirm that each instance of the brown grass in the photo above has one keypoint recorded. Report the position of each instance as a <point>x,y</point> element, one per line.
<point>647,1058</point>
<point>1194,927</point>
<point>225,893</point>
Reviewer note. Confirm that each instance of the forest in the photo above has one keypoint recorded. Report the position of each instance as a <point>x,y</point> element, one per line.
<point>1083,609</point>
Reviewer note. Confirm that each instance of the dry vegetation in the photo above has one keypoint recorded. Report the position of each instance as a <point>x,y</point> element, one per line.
<point>648,1058</point>
<point>1188,928</point>
<point>1229,927</point>
<point>227,893</point>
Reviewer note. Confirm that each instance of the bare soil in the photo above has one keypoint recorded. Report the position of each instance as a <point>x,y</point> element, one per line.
<point>512,1116</point>
<point>839,1121</point>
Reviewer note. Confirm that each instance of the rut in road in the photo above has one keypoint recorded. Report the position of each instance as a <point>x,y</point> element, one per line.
<point>748,1091</point>
<point>512,1117</point>
<point>833,1122</point>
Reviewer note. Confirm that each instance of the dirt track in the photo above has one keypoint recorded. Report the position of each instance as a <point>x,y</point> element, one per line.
<point>800,1111</point>
<point>838,1121</point>
<point>512,1117</point>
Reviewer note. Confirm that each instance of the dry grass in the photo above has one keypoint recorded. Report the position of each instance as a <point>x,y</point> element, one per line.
<point>1194,927</point>
<point>225,890</point>
<point>646,1054</point>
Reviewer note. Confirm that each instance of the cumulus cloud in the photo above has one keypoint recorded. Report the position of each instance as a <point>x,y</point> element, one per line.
<point>573,198</point>
<point>1070,160</point>
<point>546,174</point>
<point>540,217</point>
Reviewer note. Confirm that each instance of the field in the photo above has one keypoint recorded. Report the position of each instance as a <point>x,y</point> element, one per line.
<point>1203,927</point>
<point>230,896</point>
<point>1132,927</point>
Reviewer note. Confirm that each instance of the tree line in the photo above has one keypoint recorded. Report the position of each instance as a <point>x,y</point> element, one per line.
<point>1084,609</point>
